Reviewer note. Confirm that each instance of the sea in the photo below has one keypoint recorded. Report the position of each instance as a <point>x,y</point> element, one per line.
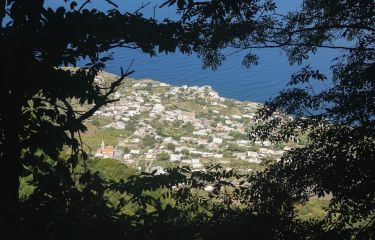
<point>258,83</point>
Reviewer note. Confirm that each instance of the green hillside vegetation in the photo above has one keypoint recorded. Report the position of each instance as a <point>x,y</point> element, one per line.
<point>114,172</point>
<point>110,169</point>
<point>314,209</point>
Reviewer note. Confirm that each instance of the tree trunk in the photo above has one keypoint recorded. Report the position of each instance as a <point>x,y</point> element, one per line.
<point>10,119</point>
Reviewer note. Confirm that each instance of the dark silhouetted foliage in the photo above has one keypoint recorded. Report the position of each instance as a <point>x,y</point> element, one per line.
<point>70,198</point>
<point>38,97</point>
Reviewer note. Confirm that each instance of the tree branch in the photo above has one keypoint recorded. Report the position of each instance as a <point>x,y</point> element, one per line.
<point>83,5</point>
<point>104,99</point>
<point>142,7</point>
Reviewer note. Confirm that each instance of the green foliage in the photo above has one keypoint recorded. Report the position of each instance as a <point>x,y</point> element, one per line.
<point>95,122</point>
<point>26,189</point>
<point>238,136</point>
<point>267,161</point>
<point>204,115</point>
<point>228,154</point>
<point>47,105</point>
<point>110,169</point>
<point>174,130</point>
<point>281,145</point>
<point>214,124</point>
<point>336,124</point>
<point>163,156</point>
<point>313,209</point>
<point>171,146</point>
<point>200,101</point>
<point>185,152</point>
<point>253,147</point>
<point>148,141</point>
<point>94,137</point>
<point>229,103</point>
<point>131,125</point>
<point>236,148</point>
<point>126,150</point>
<point>303,139</point>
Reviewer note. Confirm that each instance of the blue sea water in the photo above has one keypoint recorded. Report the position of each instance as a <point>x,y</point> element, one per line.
<point>232,79</point>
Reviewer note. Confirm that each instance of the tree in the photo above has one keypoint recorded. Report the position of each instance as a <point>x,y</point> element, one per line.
<point>37,95</point>
<point>163,156</point>
<point>148,141</point>
<point>126,150</point>
<point>339,159</point>
<point>171,146</point>
<point>339,120</point>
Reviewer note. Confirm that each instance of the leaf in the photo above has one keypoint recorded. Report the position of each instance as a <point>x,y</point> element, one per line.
<point>73,4</point>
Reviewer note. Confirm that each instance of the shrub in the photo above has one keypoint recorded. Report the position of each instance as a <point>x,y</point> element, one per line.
<point>163,156</point>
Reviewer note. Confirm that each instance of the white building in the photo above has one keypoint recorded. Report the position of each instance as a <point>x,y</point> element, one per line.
<point>195,163</point>
<point>116,125</point>
<point>240,156</point>
<point>217,140</point>
<point>252,154</point>
<point>175,158</point>
<point>135,151</point>
<point>201,132</point>
<point>202,141</point>
<point>254,160</point>
<point>158,170</point>
<point>158,108</point>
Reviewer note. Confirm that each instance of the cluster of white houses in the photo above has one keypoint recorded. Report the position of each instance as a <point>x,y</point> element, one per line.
<point>207,139</point>
<point>107,151</point>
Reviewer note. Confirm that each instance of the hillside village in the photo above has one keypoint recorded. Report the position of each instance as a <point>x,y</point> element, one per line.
<point>154,125</point>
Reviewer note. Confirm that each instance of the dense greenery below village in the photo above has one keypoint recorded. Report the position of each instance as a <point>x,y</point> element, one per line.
<point>114,172</point>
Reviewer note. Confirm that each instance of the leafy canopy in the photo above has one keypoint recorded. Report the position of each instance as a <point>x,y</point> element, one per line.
<point>39,119</point>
